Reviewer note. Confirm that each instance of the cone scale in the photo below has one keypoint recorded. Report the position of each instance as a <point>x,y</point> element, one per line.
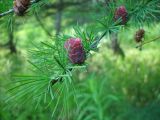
<point>75,49</point>
<point>122,14</point>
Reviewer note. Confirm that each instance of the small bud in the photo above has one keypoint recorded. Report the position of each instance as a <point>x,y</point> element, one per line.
<point>139,35</point>
<point>75,49</point>
<point>20,6</point>
<point>121,13</point>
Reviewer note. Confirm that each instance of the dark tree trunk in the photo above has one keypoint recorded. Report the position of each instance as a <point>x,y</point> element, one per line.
<point>58,21</point>
<point>115,45</point>
<point>11,44</point>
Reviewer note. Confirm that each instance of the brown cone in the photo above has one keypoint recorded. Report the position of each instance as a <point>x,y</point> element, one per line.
<point>139,35</point>
<point>20,6</point>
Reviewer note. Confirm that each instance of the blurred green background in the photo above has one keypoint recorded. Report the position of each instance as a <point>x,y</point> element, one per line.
<point>112,88</point>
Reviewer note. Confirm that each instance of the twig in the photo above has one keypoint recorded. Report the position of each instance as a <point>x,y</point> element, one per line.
<point>93,45</point>
<point>157,38</point>
<point>6,13</point>
<point>66,4</point>
<point>12,10</point>
<point>96,42</point>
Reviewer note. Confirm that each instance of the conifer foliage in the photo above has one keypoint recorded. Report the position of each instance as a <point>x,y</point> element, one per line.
<point>53,62</point>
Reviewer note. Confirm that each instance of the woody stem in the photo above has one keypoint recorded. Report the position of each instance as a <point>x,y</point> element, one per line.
<point>157,38</point>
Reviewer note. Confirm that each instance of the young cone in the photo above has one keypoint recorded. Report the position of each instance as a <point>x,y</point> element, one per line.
<point>20,6</point>
<point>139,35</point>
<point>122,14</point>
<point>75,49</point>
